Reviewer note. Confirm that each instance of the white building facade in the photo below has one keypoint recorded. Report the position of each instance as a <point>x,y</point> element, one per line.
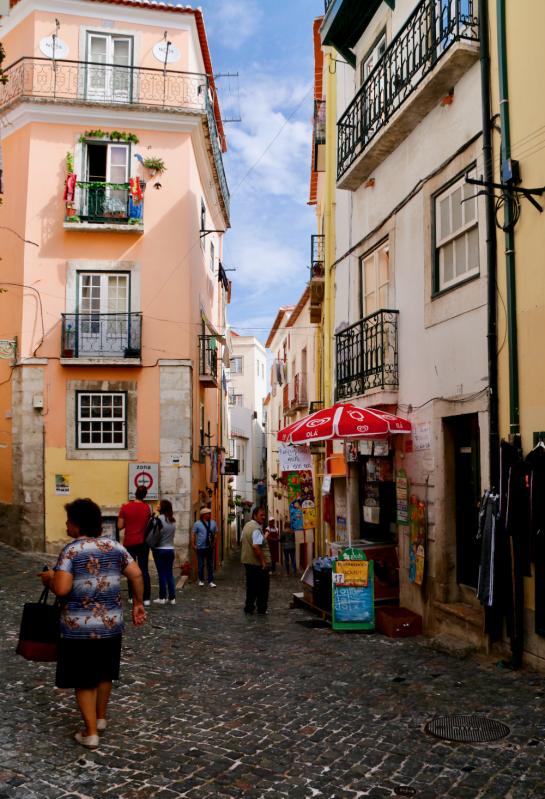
<point>410,280</point>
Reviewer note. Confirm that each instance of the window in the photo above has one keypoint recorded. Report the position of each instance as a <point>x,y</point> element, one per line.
<point>372,58</point>
<point>101,420</point>
<point>240,450</point>
<point>108,164</point>
<point>234,399</point>
<point>212,257</point>
<point>456,235</point>
<point>375,280</point>
<point>103,313</point>
<point>108,71</point>
<point>237,365</point>
<point>231,447</point>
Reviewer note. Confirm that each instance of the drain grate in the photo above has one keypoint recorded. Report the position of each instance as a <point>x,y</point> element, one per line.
<point>467,729</point>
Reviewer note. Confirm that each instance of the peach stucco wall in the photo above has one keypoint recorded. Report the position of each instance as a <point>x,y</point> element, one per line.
<point>24,40</point>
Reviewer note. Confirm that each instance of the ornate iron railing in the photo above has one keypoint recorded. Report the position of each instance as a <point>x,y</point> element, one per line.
<point>107,203</point>
<point>208,357</point>
<point>367,355</point>
<point>299,397</point>
<point>327,3</point>
<point>317,244</point>
<point>431,30</point>
<point>91,335</point>
<point>218,157</point>
<point>110,84</point>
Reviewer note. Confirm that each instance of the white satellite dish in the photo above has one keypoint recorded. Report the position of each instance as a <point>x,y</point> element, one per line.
<point>53,47</point>
<point>161,54</point>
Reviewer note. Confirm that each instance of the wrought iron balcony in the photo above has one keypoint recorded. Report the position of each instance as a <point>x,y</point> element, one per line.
<point>327,3</point>
<point>317,277</point>
<point>106,204</point>
<point>299,396</point>
<point>208,360</point>
<point>97,335</point>
<point>84,82</point>
<point>427,38</point>
<point>367,355</point>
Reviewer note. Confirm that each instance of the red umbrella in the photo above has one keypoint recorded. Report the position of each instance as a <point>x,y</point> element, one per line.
<point>343,421</point>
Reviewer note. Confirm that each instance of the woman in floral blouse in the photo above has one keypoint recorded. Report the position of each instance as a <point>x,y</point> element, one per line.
<point>87,578</point>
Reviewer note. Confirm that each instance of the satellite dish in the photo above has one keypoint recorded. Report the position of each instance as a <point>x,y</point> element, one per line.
<point>161,54</point>
<point>53,47</point>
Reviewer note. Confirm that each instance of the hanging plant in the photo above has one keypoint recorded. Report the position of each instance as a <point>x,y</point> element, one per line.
<point>155,165</point>
<point>69,163</point>
<point>115,135</point>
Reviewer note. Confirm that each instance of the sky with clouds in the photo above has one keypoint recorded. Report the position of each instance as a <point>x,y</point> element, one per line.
<point>269,43</point>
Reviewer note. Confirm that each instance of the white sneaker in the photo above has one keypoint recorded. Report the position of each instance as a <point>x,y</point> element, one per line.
<point>147,603</point>
<point>159,602</point>
<point>101,724</point>
<point>90,741</point>
<point>171,601</point>
<point>211,585</point>
<point>201,582</point>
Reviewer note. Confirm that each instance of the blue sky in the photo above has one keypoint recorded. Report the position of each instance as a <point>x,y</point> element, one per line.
<point>269,43</point>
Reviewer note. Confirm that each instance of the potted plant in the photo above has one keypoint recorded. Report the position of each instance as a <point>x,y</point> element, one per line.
<point>155,166</point>
<point>73,218</point>
<point>70,210</point>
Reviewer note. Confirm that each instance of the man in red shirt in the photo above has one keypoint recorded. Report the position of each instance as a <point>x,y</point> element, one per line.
<point>133,519</point>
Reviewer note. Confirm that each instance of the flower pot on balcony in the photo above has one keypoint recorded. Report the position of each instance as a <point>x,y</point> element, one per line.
<point>67,353</point>
<point>70,211</point>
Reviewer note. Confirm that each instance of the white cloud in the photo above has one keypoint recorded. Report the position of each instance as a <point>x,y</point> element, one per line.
<point>235,21</point>
<point>272,141</point>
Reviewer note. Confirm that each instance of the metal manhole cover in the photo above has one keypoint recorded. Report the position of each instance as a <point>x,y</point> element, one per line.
<point>467,729</point>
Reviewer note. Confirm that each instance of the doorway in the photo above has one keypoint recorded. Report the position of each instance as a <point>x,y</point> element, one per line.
<point>467,492</point>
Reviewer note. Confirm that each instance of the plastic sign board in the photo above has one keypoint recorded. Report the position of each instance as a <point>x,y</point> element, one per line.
<point>231,466</point>
<point>144,474</point>
<point>294,459</point>
<point>353,591</point>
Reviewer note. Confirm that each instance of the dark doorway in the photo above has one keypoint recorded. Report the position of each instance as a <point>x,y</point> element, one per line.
<point>467,493</point>
<point>96,162</point>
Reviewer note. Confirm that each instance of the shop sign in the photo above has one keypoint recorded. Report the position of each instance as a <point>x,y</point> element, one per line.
<point>353,592</point>
<point>294,459</point>
<point>230,466</point>
<point>144,474</point>
<point>422,436</point>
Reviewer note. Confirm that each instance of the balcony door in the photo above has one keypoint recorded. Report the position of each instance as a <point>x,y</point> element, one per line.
<point>103,318</point>
<point>378,339</point>
<point>109,74</point>
<point>107,164</point>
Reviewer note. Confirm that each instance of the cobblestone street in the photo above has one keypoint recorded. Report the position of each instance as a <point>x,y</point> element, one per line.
<point>215,704</point>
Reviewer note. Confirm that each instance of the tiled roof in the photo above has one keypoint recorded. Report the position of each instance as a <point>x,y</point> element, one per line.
<point>158,5</point>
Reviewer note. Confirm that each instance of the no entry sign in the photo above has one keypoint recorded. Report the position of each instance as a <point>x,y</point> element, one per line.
<point>144,474</point>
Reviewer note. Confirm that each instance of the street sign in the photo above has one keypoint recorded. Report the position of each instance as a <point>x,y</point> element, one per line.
<point>231,466</point>
<point>144,474</point>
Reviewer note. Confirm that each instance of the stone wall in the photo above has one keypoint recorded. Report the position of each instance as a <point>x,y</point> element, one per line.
<point>175,445</point>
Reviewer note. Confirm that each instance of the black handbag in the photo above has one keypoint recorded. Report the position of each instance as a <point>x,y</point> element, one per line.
<point>40,629</point>
<point>153,532</point>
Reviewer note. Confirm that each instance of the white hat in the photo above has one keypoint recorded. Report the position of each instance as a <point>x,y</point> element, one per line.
<point>204,510</point>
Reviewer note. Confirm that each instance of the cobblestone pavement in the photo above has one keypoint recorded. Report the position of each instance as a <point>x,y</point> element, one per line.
<point>216,704</point>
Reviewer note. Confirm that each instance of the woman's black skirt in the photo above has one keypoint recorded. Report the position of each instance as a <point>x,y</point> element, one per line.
<point>86,662</point>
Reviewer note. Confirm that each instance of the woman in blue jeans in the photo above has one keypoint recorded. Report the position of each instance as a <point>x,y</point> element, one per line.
<point>163,555</point>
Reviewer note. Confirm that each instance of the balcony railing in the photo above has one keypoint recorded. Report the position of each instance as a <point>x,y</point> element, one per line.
<point>317,256</point>
<point>76,82</point>
<point>106,203</point>
<point>208,360</point>
<point>84,81</point>
<point>299,397</point>
<point>367,355</point>
<point>327,3</point>
<point>431,30</point>
<point>316,405</point>
<point>97,335</point>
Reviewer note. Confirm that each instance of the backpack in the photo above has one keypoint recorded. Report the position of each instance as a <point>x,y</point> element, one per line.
<point>153,532</point>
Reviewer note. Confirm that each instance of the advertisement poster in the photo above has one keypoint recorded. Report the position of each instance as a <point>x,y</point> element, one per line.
<point>417,540</point>
<point>301,500</point>
<point>402,497</point>
<point>353,592</point>
<point>62,485</point>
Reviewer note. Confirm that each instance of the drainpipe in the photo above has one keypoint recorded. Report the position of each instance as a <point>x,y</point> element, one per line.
<point>329,222</point>
<point>491,250</point>
<point>514,418</point>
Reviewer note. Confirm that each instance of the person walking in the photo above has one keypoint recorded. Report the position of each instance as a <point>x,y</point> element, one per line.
<point>163,554</point>
<point>203,540</point>
<point>272,534</point>
<point>87,578</point>
<point>256,557</point>
<point>133,519</point>
<point>287,540</point>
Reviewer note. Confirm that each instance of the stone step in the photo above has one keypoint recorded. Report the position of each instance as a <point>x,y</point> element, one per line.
<point>458,620</point>
<point>451,645</point>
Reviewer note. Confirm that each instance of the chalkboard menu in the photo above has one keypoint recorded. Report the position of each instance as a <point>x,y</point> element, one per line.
<point>353,595</point>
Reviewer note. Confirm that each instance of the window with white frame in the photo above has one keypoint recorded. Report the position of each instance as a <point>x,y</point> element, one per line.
<point>240,449</point>
<point>456,235</point>
<point>231,447</point>
<point>371,59</point>
<point>237,365</point>
<point>101,420</point>
<point>376,280</point>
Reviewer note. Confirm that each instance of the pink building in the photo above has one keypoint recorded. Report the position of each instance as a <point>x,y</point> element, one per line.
<point>114,204</point>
